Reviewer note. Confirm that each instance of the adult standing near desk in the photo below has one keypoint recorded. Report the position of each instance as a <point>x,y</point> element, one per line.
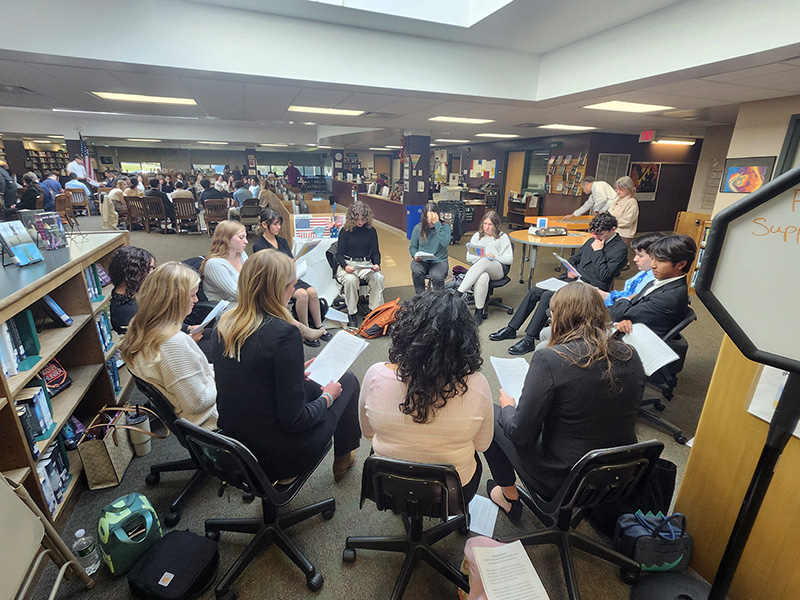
<point>626,209</point>
<point>359,259</point>
<point>76,166</point>
<point>292,175</point>
<point>600,196</point>
<point>432,236</point>
<point>8,186</point>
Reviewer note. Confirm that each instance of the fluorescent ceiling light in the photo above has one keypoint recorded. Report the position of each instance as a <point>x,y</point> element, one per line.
<point>497,135</point>
<point>633,107</point>
<point>379,149</point>
<point>676,142</point>
<point>325,111</point>
<point>43,141</point>
<point>323,146</point>
<point>56,136</point>
<point>88,112</point>
<point>218,143</point>
<point>275,145</point>
<point>309,123</point>
<point>395,147</point>
<point>461,120</point>
<point>567,127</point>
<point>142,140</point>
<point>446,141</point>
<point>144,98</point>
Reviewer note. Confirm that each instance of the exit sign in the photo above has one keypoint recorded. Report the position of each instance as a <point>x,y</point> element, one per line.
<point>647,136</point>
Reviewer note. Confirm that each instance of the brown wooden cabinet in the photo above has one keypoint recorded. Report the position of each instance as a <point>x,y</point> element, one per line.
<point>696,226</point>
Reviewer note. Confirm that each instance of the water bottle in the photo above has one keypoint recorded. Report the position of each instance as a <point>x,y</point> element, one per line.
<point>85,549</point>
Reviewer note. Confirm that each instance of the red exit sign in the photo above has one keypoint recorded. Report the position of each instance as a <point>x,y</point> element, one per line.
<point>647,136</point>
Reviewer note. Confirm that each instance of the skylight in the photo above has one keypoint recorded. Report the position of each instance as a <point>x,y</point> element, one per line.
<point>459,13</point>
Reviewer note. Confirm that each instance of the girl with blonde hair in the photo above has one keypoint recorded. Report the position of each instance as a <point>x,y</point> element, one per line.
<point>265,400</point>
<point>221,267</point>
<point>157,351</point>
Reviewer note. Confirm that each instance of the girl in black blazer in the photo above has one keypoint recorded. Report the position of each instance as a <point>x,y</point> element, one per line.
<point>263,397</point>
<point>582,392</point>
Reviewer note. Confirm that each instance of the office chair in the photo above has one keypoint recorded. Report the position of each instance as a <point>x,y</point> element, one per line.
<point>230,461</point>
<point>203,306</point>
<point>414,490</point>
<point>338,303</point>
<point>601,476</point>
<point>666,378</point>
<point>199,478</point>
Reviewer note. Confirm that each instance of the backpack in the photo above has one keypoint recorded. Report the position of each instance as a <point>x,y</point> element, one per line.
<point>378,321</point>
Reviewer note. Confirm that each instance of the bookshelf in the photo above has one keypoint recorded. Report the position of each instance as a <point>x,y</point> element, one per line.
<point>77,347</point>
<point>701,249</point>
<point>46,160</point>
<point>696,226</point>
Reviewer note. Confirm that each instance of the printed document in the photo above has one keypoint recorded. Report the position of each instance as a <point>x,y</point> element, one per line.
<point>653,351</point>
<point>567,265</point>
<point>215,312</point>
<point>479,251</point>
<point>424,255</point>
<point>511,373</point>
<point>553,284</point>
<point>336,315</point>
<point>482,516</point>
<point>508,574</point>
<point>337,356</point>
<point>307,246</point>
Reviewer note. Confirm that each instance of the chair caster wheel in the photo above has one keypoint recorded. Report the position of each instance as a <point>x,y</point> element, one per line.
<point>510,310</point>
<point>328,514</point>
<point>229,595</point>
<point>680,438</point>
<point>629,576</point>
<point>213,535</point>
<point>314,583</point>
<point>172,519</point>
<point>349,555</point>
<point>152,478</point>
<point>247,497</point>
<point>659,406</point>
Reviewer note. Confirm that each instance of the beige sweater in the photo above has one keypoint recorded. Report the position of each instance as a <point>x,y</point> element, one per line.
<point>464,425</point>
<point>627,212</point>
<point>183,375</point>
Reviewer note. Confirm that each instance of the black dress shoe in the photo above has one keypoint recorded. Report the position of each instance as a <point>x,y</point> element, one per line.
<point>525,345</point>
<point>506,333</point>
<point>311,343</point>
<point>326,337</point>
<point>352,320</point>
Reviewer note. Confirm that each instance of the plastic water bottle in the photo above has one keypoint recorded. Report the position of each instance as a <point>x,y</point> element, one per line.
<point>85,549</point>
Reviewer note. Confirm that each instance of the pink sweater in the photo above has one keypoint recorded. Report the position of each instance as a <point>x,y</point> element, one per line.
<point>464,425</point>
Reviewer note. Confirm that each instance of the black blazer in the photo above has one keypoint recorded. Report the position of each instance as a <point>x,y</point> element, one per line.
<point>265,402</point>
<point>599,267</point>
<point>565,411</point>
<point>660,310</point>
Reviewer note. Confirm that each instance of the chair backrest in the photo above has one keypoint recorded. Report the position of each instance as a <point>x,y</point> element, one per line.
<point>330,256</point>
<point>250,202</point>
<point>185,208</point>
<point>195,262</point>
<point>154,207</point>
<point>690,318</point>
<point>78,197</point>
<point>161,405</point>
<point>39,202</point>
<point>64,208</point>
<point>414,489</point>
<point>216,210</point>
<point>680,346</point>
<point>604,475</point>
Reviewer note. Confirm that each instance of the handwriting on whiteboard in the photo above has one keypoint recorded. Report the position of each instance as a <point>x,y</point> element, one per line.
<point>790,233</point>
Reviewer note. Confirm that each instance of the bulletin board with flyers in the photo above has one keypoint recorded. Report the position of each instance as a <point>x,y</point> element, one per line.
<point>565,174</point>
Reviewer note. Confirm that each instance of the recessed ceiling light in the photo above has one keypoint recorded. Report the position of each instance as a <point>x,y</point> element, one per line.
<point>323,146</point>
<point>142,140</point>
<point>144,98</point>
<point>634,107</point>
<point>379,149</point>
<point>461,120</point>
<point>56,136</point>
<point>567,127</point>
<point>447,141</point>
<point>395,147</point>
<point>88,112</point>
<point>325,111</point>
<point>497,135</point>
<point>43,141</point>
<point>217,143</point>
<point>675,142</point>
<point>309,123</point>
<point>275,145</point>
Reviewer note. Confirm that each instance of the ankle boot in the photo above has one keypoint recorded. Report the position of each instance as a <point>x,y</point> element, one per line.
<point>342,464</point>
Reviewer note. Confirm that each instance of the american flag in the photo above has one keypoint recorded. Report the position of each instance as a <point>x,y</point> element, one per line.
<point>315,227</point>
<point>87,163</point>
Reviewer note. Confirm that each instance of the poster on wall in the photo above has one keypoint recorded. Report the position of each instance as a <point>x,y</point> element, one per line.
<point>645,179</point>
<point>483,169</point>
<point>746,175</point>
<point>106,160</point>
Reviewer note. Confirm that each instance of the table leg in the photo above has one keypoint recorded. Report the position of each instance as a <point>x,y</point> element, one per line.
<point>533,265</point>
<point>522,262</point>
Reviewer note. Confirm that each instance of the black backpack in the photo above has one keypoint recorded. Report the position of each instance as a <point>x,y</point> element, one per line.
<point>180,566</point>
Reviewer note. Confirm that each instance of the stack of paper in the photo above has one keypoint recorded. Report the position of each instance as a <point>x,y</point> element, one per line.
<point>653,351</point>
<point>213,314</point>
<point>567,265</point>
<point>424,255</point>
<point>338,355</point>
<point>553,284</point>
<point>508,574</point>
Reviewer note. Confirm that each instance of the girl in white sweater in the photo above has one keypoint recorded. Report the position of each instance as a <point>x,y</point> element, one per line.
<point>157,351</point>
<point>495,263</point>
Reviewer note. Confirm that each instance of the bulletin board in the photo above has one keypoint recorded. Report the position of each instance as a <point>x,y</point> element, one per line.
<point>483,169</point>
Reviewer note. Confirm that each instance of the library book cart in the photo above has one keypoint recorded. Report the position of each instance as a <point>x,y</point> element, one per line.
<point>78,347</point>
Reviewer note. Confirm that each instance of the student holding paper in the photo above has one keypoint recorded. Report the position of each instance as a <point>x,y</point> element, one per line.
<point>582,392</point>
<point>430,236</point>
<point>157,351</point>
<point>265,400</point>
<point>223,263</point>
<point>306,299</point>
<point>430,404</point>
<point>495,264</point>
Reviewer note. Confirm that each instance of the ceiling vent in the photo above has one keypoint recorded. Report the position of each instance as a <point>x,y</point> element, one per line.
<point>15,89</point>
<point>379,115</point>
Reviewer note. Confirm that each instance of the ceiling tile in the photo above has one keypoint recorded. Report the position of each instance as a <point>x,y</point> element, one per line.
<point>321,97</point>
<point>367,102</point>
<point>220,99</point>
<point>267,102</point>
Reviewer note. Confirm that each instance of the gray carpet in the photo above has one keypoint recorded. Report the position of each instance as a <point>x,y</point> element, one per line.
<point>372,576</point>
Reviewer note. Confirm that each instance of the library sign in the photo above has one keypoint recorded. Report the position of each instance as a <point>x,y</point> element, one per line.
<point>749,274</point>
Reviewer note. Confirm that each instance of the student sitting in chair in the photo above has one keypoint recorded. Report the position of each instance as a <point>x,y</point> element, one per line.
<point>662,303</point>
<point>644,261</point>
<point>598,261</point>
<point>430,235</point>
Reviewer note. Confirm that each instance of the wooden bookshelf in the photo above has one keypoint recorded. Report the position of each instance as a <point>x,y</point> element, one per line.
<point>696,226</point>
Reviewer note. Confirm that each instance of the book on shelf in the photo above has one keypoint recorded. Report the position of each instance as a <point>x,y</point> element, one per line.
<point>51,229</point>
<point>567,159</point>
<point>103,323</point>
<point>93,283</point>
<point>27,428</point>
<point>44,482</point>
<point>40,411</point>
<point>55,377</point>
<point>8,354</point>
<point>113,374</point>
<point>55,312</point>
<point>582,159</point>
<point>17,243</point>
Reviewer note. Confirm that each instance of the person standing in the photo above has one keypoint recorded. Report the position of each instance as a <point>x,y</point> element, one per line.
<point>432,236</point>
<point>8,187</point>
<point>626,209</point>
<point>292,175</point>
<point>600,196</point>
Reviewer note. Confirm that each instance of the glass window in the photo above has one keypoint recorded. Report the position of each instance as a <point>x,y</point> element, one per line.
<point>151,167</point>
<point>130,167</point>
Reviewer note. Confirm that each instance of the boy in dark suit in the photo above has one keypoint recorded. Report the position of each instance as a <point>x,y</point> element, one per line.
<point>662,303</point>
<point>599,260</point>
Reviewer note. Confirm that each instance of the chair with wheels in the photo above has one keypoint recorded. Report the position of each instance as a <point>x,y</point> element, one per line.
<point>230,461</point>
<point>199,478</point>
<point>666,378</point>
<point>416,491</point>
<point>601,476</point>
<point>363,288</point>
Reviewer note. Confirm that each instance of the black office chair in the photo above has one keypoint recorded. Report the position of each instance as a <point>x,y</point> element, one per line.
<point>203,306</point>
<point>164,410</point>
<point>230,461</point>
<point>606,475</point>
<point>338,303</point>
<point>666,378</point>
<point>415,490</point>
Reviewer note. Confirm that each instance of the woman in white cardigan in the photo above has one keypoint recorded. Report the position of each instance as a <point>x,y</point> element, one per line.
<point>494,264</point>
<point>221,268</point>
<point>626,209</point>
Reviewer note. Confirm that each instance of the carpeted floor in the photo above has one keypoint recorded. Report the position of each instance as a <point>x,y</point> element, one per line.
<point>272,575</point>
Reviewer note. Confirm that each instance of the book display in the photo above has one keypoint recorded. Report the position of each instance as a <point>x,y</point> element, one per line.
<point>565,174</point>
<point>51,230</point>
<point>18,245</point>
<point>68,372</point>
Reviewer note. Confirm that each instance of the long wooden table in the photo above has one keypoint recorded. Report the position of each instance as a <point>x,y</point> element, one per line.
<point>573,240</point>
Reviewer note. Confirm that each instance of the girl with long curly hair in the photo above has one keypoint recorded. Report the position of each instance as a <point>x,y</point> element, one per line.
<point>430,404</point>
<point>127,269</point>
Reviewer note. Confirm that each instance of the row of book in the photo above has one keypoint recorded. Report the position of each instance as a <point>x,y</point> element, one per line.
<point>112,366</point>
<point>565,160</point>
<point>95,282</point>
<point>53,473</point>
<point>19,344</point>
<point>103,323</point>
<point>35,412</point>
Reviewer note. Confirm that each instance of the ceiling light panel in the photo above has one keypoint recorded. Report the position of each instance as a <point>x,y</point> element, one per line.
<point>502,136</point>
<point>214,143</point>
<point>631,107</point>
<point>448,141</point>
<point>567,127</point>
<point>144,98</point>
<point>143,140</point>
<point>465,120</point>
<point>345,112</point>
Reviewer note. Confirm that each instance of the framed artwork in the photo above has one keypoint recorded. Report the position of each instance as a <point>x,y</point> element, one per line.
<point>645,179</point>
<point>746,175</point>
<point>106,160</point>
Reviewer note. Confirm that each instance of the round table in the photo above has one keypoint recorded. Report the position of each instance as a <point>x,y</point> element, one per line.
<point>580,223</point>
<point>573,240</point>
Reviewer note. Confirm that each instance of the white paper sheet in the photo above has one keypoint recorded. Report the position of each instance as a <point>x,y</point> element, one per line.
<point>567,265</point>
<point>216,311</point>
<point>553,284</point>
<point>511,373</point>
<point>652,350</point>
<point>479,251</point>
<point>482,516</point>
<point>336,315</point>
<point>424,255</point>
<point>308,246</point>
<point>766,394</point>
<point>508,574</point>
<point>337,356</point>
